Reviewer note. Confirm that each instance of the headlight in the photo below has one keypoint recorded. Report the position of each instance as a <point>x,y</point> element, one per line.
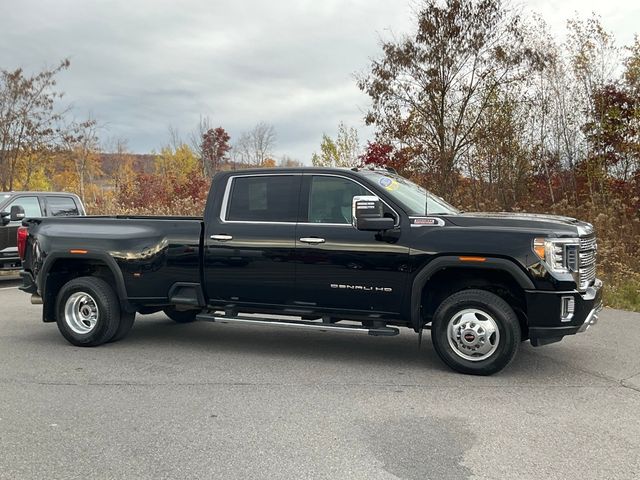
<point>560,255</point>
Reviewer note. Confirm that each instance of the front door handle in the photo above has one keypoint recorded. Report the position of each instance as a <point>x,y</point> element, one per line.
<point>312,240</point>
<point>221,237</point>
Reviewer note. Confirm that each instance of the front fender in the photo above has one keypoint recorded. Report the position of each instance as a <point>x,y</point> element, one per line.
<point>440,263</point>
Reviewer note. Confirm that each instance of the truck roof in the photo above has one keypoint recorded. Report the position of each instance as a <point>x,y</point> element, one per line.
<point>30,192</point>
<point>310,169</point>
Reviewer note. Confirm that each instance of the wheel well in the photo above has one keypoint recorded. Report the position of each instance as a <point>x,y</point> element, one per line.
<point>448,281</point>
<point>66,269</point>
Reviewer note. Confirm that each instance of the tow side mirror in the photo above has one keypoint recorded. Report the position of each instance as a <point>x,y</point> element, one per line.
<point>17,213</point>
<point>367,214</point>
<point>4,218</point>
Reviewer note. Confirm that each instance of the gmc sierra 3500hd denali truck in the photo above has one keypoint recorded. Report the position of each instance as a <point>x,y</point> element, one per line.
<point>358,250</point>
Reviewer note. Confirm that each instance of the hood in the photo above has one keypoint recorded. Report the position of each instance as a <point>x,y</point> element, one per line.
<point>525,221</point>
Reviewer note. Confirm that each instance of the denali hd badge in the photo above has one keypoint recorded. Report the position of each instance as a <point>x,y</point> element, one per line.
<point>363,288</point>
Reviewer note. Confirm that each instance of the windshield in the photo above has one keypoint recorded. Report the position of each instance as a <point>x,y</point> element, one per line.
<point>4,197</point>
<point>412,197</point>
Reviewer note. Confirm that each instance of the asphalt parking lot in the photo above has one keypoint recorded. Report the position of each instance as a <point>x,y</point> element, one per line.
<point>221,401</point>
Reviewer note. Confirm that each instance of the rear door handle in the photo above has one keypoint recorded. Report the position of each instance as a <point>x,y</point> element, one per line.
<point>312,240</point>
<point>221,237</point>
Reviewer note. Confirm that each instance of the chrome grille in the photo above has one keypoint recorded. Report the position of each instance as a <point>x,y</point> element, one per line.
<point>588,243</point>
<point>588,254</point>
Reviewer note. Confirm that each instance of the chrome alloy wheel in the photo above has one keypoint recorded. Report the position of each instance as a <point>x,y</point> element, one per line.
<point>81,313</point>
<point>473,334</point>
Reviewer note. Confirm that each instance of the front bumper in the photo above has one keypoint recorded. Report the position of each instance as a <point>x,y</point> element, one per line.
<point>544,313</point>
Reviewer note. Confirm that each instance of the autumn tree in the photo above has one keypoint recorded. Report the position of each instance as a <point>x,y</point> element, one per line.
<point>430,90</point>
<point>176,163</point>
<point>124,171</point>
<point>344,151</point>
<point>214,149</point>
<point>551,130</point>
<point>593,57</point>
<point>613,128</point>
<point>378,154</point>
<point>256,145</point>
<point>500,160</point>
<point>631,78</point>
<point>632,68</point>
<point>28,116</point>
<point>386,155</point>
<point>33,170</point>
<point>287,161</point>
<point>611,134</point>
<point>195,136</point>
<point>81,147</point>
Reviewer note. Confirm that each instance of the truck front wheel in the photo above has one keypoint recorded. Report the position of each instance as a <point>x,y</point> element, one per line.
<point>88,312</point>
<point>475,332</point>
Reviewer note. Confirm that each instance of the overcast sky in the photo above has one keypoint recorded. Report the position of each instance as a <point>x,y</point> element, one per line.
<point>139,66</point>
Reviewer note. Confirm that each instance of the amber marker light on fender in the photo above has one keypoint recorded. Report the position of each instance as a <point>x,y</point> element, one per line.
<point>472,259</point>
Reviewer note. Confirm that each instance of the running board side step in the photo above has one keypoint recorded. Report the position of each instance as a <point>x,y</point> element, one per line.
<point>323,327</point>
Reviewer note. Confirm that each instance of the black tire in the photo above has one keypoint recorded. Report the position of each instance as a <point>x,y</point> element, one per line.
<point>107,308</point>
<point>181,316</point>
<point>126,322</point>
<point>148,310</point>
<point>493,307</point>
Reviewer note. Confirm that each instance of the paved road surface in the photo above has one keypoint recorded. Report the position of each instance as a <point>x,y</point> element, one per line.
<point>222,401</point>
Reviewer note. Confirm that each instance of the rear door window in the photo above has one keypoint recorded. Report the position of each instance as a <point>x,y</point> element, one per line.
<point>264,198</point>
<point>61,206</point>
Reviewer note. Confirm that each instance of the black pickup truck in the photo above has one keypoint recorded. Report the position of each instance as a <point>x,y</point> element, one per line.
<point>347,250</point>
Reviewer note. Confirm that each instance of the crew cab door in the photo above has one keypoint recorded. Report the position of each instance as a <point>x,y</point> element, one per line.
<point>250,241</point>
<point>339,267</point>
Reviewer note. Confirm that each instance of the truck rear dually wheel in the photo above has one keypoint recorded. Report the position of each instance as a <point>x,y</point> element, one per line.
<point>475,332</point>
<point>126,322</point>
<point>88,312</point>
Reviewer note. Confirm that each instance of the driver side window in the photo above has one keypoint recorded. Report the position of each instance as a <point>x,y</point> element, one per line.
<point>330,199</point>
<point>31,206</point>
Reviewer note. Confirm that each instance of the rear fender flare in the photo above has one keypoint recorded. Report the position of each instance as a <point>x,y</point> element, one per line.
<point>101,257</point>
<point>440,263</point>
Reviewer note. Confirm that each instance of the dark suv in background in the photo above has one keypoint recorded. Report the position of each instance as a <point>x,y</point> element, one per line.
<point>34,204</point>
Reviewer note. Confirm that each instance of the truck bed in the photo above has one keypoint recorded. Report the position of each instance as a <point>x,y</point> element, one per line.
<point>153,253</point>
